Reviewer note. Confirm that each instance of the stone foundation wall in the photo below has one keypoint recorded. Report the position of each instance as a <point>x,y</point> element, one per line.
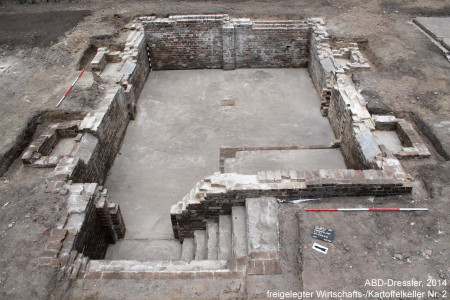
<point>138,58</point>
<point>217,41</point>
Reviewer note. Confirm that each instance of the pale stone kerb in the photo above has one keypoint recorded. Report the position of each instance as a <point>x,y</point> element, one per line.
<point>368,145</point>
<point>262,225</point>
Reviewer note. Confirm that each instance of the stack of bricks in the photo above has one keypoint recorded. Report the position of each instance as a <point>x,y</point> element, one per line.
<point>52,248</point>
<point>320,64</point>
<point>135,52</point>
<point>68,168</point>
<point>217,194</point>
<point>356,60</point>
<point>110,218</point>
<point>115,214</point>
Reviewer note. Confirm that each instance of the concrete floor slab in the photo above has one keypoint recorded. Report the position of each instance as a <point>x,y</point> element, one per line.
<point>250,162</point>
<point>181,126</point>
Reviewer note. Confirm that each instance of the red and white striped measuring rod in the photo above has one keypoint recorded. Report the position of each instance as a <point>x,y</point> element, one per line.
<point>63,97</point>
<point>366,209</point>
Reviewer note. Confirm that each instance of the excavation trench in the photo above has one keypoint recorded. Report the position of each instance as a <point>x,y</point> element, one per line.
<point>233,110</point>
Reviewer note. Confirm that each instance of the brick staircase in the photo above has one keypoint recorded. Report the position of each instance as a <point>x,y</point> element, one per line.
<point>243,243</point>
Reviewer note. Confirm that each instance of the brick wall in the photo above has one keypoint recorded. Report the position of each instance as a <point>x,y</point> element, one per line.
<point>271,45</point>
<point>342,123</point>
<point>216,41</point>
<point>352,124</point>
<point>185,43</point>
<point>92,239</point>
<point>320,75</point>
<point>105,130</point>
<point>91,223</point>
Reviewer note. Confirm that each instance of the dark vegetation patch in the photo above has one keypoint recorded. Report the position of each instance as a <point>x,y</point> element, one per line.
<point>37,29</point>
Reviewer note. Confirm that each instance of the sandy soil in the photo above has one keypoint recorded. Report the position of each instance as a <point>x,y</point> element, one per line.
<point>40,47</point>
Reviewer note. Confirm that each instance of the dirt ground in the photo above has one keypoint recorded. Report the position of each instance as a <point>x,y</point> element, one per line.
<point>40,49</point>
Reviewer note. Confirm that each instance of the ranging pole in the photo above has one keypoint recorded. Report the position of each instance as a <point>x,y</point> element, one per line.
<point>366,209</point>
<point>63,97</point>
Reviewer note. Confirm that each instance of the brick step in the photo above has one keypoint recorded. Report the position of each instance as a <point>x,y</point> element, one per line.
<point>262,225</point>
<point>212,240</point>
<point>187,250</point>
<point>238,231</point>
<point>200,244</point>
<point>224,237</point>
<point>163,269</point>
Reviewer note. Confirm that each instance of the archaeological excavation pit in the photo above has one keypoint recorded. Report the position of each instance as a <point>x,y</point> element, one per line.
<point>229,115</point>
<point>180,128</point>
